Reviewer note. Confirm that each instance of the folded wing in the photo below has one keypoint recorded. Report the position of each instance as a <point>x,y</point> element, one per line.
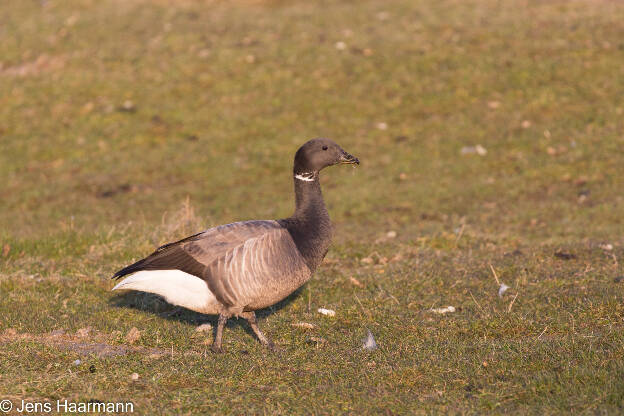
<point>249,264</point>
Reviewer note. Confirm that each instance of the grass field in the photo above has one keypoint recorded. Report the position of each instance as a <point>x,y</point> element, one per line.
<point>491,136</point>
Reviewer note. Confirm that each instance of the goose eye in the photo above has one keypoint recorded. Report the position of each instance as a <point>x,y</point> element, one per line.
<point>324,147</point>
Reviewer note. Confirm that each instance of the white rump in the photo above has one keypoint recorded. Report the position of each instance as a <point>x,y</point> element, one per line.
<point>176,286</point>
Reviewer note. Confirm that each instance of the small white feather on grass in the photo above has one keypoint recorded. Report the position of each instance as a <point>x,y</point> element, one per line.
<point>204,328</point>
<point>368,343</point>
<point>447,309</point>
<point>502,289</point>
<point>326,312</point>
<point>303,325</point>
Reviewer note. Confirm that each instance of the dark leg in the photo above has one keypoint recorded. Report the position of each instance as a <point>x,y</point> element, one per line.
<point>216,346</point>
<point>253,323</point>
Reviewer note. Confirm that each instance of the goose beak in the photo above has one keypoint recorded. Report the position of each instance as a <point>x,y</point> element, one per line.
<point>347,159</point>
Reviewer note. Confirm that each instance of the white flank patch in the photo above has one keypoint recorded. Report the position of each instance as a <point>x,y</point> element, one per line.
<point>176,286</point>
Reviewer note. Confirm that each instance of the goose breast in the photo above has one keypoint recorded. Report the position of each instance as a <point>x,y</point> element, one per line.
<point>258,272</point>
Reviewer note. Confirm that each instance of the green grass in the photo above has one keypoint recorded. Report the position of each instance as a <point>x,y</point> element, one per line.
<point>126,124</point>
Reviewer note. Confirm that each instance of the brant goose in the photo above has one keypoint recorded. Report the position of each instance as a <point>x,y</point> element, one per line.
<point>238,268</point>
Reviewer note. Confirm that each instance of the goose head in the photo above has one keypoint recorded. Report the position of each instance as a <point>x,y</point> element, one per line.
<point>317,154</point>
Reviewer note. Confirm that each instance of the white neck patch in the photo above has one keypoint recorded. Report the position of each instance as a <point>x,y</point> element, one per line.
<point>306,176</point>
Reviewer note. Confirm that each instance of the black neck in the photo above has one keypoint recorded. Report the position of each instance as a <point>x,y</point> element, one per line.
<point>309,201</point>
<point>310,226</point>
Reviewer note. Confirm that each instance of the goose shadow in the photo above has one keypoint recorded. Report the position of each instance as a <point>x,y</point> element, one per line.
<point>157,305</point>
